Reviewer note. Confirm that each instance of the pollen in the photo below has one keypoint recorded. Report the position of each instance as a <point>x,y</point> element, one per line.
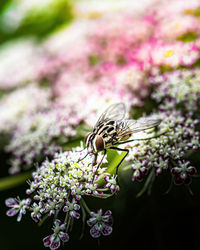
<point>189,11</point>
<point>180,95</point>
<point>176,26</point>
<point>94,15</point>
<point>76,165</point>
<point>168,53</point>
<point>130,76</point>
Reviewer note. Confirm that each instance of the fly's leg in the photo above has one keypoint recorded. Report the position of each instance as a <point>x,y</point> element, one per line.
<point>98,164</point>
<point>94,162</point>
<point>83,157</point>
<point>78,151</point>
<point>117,167</point>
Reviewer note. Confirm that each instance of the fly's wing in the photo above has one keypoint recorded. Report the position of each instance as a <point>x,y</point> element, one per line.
<point>128,127</point>
<point>113,112</point>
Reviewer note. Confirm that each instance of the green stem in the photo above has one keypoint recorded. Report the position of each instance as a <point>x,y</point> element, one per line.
<point>103,189</point>
<point>15,180</point>
<point>68,224</point>
<point>173,162</point>
<point>147,183</point>
<point>85,205</point>
<point>196,176</point>
<point>43,220</point>
<point>56,214</point>
<point>98,243</point>
<point>190,190</point>
<point>66,217</point>
<point>83,222</point>
<point>71,224</point>
<point>170,187</point>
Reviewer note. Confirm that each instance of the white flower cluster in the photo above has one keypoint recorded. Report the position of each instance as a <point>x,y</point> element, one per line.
<point>165,151</point>
<point>67,174</point>
<point>58,186</point>
<point>23,101</point>
<point>179,88</point>
<point>36,136</point>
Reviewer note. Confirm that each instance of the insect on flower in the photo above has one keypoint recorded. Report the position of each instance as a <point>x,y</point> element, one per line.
<point>112,129</point>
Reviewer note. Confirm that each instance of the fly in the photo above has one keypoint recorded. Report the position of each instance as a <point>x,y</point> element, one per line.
<point>113,129</point>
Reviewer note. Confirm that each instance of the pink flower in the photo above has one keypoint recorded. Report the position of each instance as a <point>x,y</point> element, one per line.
<point>176,27</point>
<point>157,53</point>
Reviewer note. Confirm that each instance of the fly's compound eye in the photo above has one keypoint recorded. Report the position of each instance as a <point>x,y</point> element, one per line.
<point>99,143</point>
<point>86,137</point>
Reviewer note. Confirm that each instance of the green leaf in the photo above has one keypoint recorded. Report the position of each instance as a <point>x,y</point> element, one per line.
<point>113,159</point>
<point>81,130</point>
<point>72,143</point>
<point>15,180</point>
<point>94,60</point>
<point>188,37</point>
<point>38,20</point>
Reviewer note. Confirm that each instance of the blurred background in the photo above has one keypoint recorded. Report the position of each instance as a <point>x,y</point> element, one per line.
<point>39,40</point>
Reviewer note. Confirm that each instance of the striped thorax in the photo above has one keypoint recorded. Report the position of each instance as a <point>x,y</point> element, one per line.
<point>112,128</point>
<point>101,137</point>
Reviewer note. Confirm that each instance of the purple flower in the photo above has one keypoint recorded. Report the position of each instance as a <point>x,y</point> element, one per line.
<point>160,165</point>
<point>182,173</point>
<point>139,169</point>
<point>17,207</point>
<point>100,224</point>
<point>77,191</point>
<point>37,211</point>
<point>72,207</point>
<point>53,240</point>
<point>111,184</point>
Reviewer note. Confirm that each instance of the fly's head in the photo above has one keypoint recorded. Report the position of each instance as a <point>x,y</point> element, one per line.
<point>94,143</point>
